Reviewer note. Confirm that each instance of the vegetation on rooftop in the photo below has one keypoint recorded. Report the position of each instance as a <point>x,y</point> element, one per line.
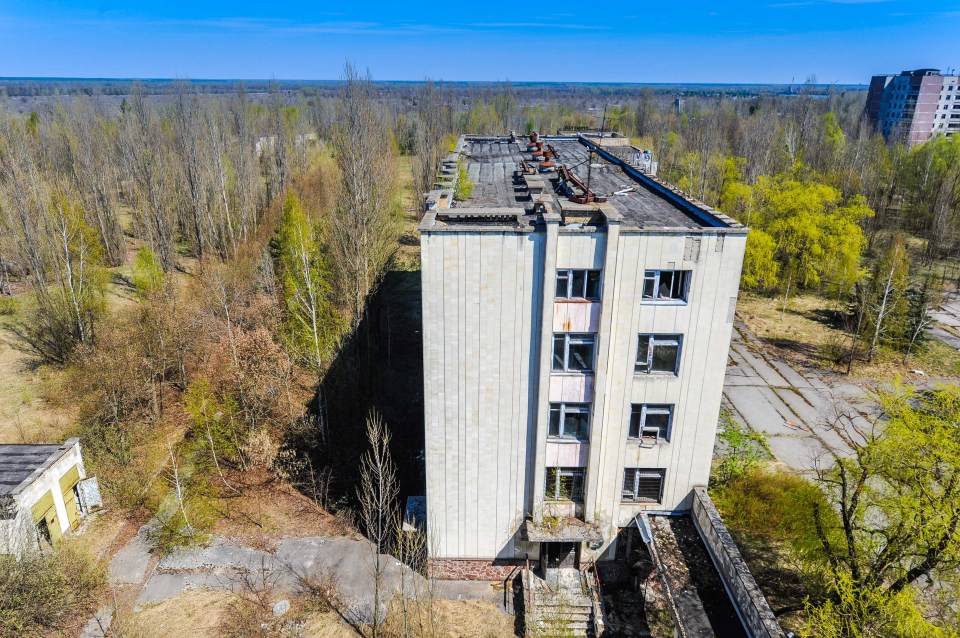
<point>464,187</point>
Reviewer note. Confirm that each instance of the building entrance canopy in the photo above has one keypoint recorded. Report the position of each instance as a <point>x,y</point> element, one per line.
<point>553,529</point>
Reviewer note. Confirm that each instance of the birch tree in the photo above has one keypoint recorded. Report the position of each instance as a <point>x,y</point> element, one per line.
<point>363,224</point>
<point>887,304</point>
<point>87,140</point>
<point>311,324</point>
<point>145,164</point>
<point>427,139</point>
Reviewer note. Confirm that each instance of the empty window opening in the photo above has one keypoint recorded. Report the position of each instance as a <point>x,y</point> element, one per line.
<point>665,285</point>
<point>570,420</point>
<point>564,484</point>
<point>658,354</point>
<point>573,352</point>
<point>643,485</point>
<point>649,421</point>
<point>578,284</point>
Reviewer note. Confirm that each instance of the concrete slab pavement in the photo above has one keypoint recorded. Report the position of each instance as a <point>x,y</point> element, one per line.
<point>229,566</point>
<point>792,408</point>
<point>129,564</point>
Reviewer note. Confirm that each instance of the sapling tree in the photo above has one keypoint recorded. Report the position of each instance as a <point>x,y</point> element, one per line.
<point>378,494</point>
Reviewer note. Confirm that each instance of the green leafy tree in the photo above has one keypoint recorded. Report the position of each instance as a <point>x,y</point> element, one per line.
<point>854,612</point>
<point>148,275</point>
<point>817,235</point>
<point>311,324</point>
<point>833,139</point>
<point>760,266</point>
<point>69,281</point>
<point>896,489</point>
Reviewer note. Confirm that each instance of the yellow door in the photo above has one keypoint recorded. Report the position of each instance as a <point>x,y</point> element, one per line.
<point>67,483</point>
<point>45,518</point>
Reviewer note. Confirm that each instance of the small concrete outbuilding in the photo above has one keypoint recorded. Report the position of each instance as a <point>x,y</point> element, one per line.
<point>44,493</point>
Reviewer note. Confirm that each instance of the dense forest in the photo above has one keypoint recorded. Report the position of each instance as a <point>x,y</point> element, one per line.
<point>196,266</point>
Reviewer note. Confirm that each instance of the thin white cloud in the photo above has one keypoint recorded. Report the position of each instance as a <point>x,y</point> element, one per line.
<point>534,25</point>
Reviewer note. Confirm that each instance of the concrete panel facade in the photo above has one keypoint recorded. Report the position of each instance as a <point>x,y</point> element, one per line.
<point>481,316</point>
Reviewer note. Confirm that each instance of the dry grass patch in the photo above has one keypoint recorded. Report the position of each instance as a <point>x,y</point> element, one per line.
<point>267,510</point>
<point>191,614</point>
<point>26,416</point>
<point>805,335</point>
<point>447,618</point>
<point>473,619</point>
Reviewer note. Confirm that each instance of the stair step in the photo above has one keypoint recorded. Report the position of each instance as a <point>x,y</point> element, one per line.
<point>562,617</point>
<point>564,624</point>
<point>564,609</point>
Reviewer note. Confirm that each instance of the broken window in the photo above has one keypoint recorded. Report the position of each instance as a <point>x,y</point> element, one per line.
<point>650,421</point>
<point>665,285</point>
<point>643,485</point>
<point>564,483</point>
<point>578,284</point>
<point>573,352</point>
<point>570,420</point>
<point>658,354</point>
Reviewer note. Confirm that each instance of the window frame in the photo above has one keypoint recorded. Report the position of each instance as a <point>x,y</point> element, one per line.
<point>575,473</point>
<point>568,274</point>
<point>654,340</point>
<point>653,275</point>
<point>565,407</point>
<point>581,338</point>
<point>638,473</point>
<point>642,410</point>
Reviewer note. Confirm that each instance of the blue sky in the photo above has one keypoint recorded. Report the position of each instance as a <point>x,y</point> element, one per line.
<point>551,40</point>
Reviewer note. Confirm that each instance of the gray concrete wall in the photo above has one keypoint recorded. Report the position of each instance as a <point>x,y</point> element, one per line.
<point>482,294</point>
<point>749,600</point>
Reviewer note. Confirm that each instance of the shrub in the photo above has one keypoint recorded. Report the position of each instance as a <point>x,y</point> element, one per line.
<point>743,450</point>
<point>43,592</point>
<point>464,187</point>
<point>772,504</point>
<point>8,306</point>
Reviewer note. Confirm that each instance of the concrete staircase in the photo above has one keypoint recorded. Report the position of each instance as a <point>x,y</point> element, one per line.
<point>559,607</point>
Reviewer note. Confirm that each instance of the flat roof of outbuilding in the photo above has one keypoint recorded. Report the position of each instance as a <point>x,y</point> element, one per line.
<point>20,465</point>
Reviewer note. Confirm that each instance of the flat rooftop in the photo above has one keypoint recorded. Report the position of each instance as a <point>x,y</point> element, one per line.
<point>22,464</point>
<point>509,180</point>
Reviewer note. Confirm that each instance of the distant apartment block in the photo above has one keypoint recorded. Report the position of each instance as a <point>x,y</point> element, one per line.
<point>577,315</point>
<point>914,106</point>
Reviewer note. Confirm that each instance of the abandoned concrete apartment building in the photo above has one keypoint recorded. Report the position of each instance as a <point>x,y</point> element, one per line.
<point>577,314</point>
